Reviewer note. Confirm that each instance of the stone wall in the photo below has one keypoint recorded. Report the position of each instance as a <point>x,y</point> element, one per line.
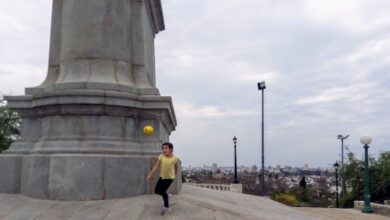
<point>221,187</point>
<point>378,208</point>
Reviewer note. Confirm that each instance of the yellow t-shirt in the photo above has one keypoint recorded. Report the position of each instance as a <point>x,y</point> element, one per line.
<point>167,166</point>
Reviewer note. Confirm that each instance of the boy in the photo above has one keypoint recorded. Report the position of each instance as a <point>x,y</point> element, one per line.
<point>168,171</point>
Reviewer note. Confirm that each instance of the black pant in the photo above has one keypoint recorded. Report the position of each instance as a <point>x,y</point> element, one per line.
<point>161,189</point>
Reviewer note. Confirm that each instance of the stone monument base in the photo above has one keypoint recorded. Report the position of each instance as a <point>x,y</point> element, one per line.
<point>78,177</point>
<point>85,145</point>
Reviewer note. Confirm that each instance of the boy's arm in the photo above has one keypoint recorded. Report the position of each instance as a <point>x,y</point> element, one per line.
<point>153,169</point>
<point>176,168</point>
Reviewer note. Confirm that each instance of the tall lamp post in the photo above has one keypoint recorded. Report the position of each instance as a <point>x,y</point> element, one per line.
<point>366,140</point>
<point>342,138</point>
<point>261,86</point>
<point>235,159</point>
<point>336,169</point>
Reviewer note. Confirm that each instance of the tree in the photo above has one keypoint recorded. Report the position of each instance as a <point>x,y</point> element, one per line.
<point>9,126</point>
<point>353,174</point>
<point>302,183</point>
<point>380,178</point>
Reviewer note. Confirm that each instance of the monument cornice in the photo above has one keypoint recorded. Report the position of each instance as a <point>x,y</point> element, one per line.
<point>93,101</point>
<point>156,15</point>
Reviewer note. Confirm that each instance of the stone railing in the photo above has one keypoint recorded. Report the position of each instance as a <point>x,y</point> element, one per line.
<point>220,187</point>
<point>378,208</point>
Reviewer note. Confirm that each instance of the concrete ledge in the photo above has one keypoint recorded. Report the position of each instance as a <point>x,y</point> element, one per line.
<point>237,188</point>
<point>378,208</point>
<point>35,176</point>
<point>76,177</point>
<point>10,174</point>
<point>123,170</point>
<point>79,177</point>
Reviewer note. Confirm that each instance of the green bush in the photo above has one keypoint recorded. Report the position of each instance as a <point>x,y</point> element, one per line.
<point>286,199</point>
<point>9,126</point>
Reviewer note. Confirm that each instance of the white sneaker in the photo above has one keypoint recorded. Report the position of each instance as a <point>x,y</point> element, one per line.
<point>166,211</point>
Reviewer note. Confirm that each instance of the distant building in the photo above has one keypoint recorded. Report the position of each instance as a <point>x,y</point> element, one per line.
<point>254,168</point>
<point>215,167</point>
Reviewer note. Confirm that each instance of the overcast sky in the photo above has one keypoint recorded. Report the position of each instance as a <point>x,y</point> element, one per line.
<point>326,65</point>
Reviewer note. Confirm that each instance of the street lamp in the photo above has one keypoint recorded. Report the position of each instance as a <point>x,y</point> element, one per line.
<point>235,160</point>
<point>342,138</point>
<point>366,140</point>
<point>336,168</point>
<point>261,86</point>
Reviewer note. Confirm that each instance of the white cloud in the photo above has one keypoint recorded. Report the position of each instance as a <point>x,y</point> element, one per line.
<point>252,78</point>
<point>14,78</point>
<point>189,110</point>
<point>357,16</point>
<point>366,61</point>
<point>348,93</point>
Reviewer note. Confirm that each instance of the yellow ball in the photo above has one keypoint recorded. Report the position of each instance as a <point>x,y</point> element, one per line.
<point>148,130</point>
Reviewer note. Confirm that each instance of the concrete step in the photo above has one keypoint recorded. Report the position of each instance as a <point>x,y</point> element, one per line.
<point>342,214</point>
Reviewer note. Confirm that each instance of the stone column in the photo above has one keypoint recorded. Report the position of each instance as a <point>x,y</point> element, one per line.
<point>104,45</point>
<point>55,44</point>
<point>94,43</point>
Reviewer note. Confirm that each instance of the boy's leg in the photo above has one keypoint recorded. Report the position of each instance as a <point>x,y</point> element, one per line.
<point>159,186</point>
<point>165,198</point>
<point>164,188</point>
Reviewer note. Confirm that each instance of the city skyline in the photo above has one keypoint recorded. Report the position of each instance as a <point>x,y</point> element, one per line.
<point>278,166</point>
<point>325,65</point>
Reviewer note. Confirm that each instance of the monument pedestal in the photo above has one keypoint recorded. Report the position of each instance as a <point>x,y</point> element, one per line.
<point>86,145</point>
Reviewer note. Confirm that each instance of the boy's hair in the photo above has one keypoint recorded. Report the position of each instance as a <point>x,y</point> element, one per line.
<point>170,145</point>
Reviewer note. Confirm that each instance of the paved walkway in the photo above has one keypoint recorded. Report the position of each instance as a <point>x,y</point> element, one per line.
<point>342,214</point>
<point>193,203</point>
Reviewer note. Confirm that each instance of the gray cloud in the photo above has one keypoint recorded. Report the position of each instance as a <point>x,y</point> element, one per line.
<point>325,65</point>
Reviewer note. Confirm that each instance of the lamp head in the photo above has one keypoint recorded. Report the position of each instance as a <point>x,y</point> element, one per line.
<point>365,139</point>
<point>234,139</point>
<point>261,85</point>
<point>336,166</point>
<point>341,137</point>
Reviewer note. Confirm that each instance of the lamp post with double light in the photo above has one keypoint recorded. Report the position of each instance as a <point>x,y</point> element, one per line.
<point>342,138</point>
